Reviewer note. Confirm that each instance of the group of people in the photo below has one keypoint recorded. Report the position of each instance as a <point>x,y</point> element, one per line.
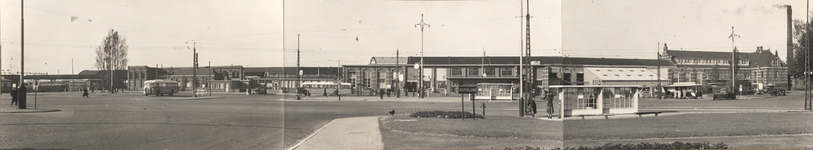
<point>547,97</point>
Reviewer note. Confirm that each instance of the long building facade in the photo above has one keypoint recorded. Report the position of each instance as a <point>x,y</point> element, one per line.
<point>756,69</point>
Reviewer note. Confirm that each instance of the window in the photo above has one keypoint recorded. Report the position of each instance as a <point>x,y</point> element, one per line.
<point>474,71</point>
<point>457,71</point>
<point>491,71</point>
<point>507,71</point>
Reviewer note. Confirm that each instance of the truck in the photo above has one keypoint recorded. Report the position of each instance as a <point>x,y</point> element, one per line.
<point>722,91</point>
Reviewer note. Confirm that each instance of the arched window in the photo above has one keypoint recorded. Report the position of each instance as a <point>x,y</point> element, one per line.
<point>235,74</point>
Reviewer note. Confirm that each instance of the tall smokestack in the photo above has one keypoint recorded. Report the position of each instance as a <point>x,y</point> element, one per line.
<point>790,38</point>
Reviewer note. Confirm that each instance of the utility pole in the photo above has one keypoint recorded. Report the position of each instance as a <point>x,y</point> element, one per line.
<point>398,70</point>
<point>733,63</point>
<point>420,79</point>
<point>521,63</point>
<point>338,79</point>
<point>209,83</point>
<point>194,70</point>
<point>21,101</point>
<point>298,76</point>
<point>72,75</point>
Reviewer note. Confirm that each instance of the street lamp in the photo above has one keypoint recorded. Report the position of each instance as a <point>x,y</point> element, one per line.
<point>422,24</point>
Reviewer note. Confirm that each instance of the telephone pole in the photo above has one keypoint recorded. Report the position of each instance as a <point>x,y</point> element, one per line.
<point>398,72</point>
<point>194,71</point>
<point>21,101</point>
<point>298,76</point>
<point>733,63</point>
<point>521,63</point>
<point>420,79</point>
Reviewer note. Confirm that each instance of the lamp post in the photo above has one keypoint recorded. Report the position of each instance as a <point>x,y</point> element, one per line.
<point>422,24</point>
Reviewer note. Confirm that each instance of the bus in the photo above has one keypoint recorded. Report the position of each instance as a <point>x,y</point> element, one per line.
<point>319,87</point>
<point>52,87</point>
<point>160,87</point>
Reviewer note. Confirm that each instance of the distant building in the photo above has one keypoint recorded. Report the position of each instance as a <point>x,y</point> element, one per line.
<point>758,68</point>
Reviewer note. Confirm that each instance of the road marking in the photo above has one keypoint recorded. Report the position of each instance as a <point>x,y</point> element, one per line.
<point>309,136</point>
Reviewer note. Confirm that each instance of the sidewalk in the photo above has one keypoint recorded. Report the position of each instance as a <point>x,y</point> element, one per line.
<point>8,108</point>
<point>346,133</point>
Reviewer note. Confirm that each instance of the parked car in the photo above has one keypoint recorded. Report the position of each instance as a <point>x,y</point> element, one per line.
<point>259,90</point>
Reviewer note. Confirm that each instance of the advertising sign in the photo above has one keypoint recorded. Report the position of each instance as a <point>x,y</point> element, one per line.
<point>467,88</point>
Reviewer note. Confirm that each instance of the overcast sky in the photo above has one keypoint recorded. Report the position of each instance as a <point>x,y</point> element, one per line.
<point>328,29</point>
<point>243,32</point>
<point>257,33</point>
<point>633,28</point>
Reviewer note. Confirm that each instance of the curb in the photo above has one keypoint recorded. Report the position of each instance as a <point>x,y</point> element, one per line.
<point>310,136</point>
<point>31,111</point>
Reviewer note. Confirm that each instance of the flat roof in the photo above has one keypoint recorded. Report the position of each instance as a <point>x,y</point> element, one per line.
<point>582,86</point>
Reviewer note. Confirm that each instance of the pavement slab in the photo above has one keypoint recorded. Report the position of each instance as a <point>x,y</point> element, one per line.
<point>359,133</point>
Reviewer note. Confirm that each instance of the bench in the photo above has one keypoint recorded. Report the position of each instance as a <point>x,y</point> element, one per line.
<point>654,112</point>
<point>606,116</point>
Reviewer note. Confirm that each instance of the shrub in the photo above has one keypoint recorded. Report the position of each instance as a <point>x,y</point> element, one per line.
<point>444,114</point>
<point>647,145</point>
<point>522,148</point>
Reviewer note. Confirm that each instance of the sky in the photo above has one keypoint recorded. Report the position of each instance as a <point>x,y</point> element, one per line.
<point>329,32</point>
<point>633,28</point>
<point>243,32</point>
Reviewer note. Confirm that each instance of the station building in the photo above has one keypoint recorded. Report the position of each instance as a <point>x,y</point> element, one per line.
<point>497,76</point>
<point>757,68</point>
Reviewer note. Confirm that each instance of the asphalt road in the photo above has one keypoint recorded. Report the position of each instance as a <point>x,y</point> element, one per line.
<point>794,101</point>
<point>224,121</point>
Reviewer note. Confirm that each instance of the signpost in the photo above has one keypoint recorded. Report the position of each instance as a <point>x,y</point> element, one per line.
<point>466,88</point>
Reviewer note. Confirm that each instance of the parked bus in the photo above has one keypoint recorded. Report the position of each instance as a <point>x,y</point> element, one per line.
<point>160,87</point>
<point>52,87</point>
<point>319,87</point>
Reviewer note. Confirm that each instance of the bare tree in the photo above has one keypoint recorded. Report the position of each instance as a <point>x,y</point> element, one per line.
<point>111,56</point>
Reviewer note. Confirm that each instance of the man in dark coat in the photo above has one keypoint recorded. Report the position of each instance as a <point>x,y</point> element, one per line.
<point>325,93</point>
<point>21,96</point>
<point>85,94</point>
<point>532,106</point>
<point>14,96</point>
<point>381,93</point>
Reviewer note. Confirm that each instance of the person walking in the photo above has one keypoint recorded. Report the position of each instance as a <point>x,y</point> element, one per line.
<point>549,98</point>
<point>325,93</point>
<point>85,93</point>
<point>13,96</point>
<point>532,107</point>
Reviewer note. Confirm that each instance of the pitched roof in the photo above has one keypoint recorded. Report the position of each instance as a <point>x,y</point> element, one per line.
<point>388,60</point>
<point>757,58</point>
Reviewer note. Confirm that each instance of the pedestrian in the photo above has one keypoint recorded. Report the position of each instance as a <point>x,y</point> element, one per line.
<point>325,93</point>
<point>381,93</point>
<point>21,95</point>
<point>532,106</point>
<point>85,93</point>
<point>13,96</point>
<point>549,98</point>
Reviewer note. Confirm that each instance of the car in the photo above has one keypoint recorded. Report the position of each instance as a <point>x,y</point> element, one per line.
<point>259,90</point>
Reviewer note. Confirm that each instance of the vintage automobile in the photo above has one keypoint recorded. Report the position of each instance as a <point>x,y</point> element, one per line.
<point>722,91</point>
<point>774,91</point>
